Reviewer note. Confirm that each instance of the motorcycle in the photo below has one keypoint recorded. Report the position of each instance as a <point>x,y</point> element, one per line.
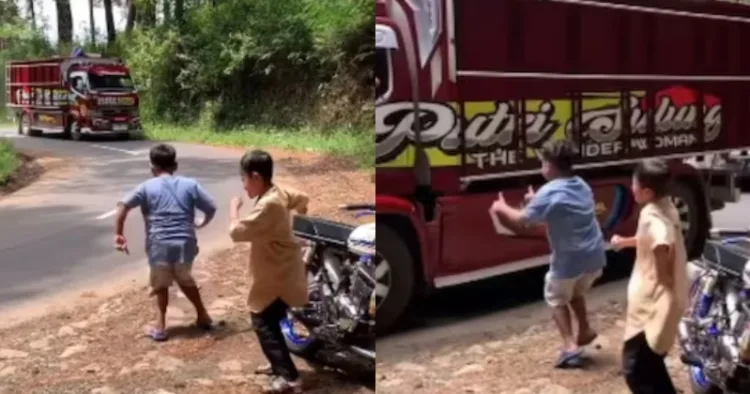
<point>714,335</point>
<point>337,326</point>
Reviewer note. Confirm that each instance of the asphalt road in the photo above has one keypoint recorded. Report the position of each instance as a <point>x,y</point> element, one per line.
<point>56,234</point>
<point>508,305</point>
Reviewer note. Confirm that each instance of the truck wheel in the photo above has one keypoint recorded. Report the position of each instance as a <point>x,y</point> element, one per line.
<point>24,126</point>
<point>692,219</point>
<point>75,132</point>
<point>395,276</point>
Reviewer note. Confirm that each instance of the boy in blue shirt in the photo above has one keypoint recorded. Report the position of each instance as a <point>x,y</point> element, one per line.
<point>168,203</point>
<point>565,206</point>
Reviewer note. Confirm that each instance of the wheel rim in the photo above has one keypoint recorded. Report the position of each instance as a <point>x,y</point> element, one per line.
<point>384,280</point>
<point>683,209</point>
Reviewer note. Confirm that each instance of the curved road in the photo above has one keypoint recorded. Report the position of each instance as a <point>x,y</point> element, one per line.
<point>56,234</point>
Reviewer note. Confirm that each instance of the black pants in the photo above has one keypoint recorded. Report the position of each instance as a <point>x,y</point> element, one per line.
<point>267,327</point>
<point>645,371</point>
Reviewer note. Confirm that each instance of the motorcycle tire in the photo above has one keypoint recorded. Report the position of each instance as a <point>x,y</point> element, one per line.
<point>394,250</point>
<point>700,385</point>
<point>303,348</point>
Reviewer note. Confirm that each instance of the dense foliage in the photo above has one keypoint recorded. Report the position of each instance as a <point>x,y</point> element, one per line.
<point>226,63</point>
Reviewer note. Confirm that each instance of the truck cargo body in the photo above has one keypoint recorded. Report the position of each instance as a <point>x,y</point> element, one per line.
<point>493,80</point>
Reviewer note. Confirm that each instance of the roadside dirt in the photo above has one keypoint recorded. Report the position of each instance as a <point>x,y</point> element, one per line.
<point>96,344</point>
<point>30,170</point>
<point>522,363</point>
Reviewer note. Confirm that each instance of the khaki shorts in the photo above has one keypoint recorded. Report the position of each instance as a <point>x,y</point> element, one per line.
<point>163,275</point>
<point>559,292</point>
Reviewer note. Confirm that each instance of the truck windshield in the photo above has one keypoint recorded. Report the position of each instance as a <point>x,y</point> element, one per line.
<point>109,81</point>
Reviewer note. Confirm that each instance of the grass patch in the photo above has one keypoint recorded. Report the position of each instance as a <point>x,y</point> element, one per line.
<point>357,145</point>
<point>8,161</point>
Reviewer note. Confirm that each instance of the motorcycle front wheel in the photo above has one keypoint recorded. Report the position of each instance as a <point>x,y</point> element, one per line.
<point>699,383</point>
<point>298,338</point>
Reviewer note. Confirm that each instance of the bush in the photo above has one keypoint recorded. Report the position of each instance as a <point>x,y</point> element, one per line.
<point>288,63</point>
<point>8,161</point>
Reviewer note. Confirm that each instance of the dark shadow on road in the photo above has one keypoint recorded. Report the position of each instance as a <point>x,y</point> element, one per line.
<point>476,299</point>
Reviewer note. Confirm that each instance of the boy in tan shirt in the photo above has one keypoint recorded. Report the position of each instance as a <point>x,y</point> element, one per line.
<point>658,287</point>
<point>277,274</point>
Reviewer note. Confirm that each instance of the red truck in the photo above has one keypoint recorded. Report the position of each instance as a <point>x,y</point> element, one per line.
<point>76,96</point>
<point>466,90</point>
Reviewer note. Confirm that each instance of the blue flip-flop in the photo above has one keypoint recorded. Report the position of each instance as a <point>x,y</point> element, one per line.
<point>157,335</point>
<point>568,360</point>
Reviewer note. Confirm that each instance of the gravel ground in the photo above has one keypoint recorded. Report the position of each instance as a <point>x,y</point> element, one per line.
<point>518,364</point>
<point>98,345</point>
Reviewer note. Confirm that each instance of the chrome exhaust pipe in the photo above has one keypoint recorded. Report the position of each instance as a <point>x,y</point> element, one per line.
<point>364,352</point>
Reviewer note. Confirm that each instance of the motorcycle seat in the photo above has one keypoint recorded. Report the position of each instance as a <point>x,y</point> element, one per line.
<point>730,257</point>
<point>321,230</point>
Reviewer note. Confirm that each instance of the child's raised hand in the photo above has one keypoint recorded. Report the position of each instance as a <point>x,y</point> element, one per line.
<point>529,194</point>
<point>236,203</point>
<point>617,242</point>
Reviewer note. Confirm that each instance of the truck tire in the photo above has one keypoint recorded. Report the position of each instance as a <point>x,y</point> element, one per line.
<point>692,217</point>
<point>24,126</point>
<point>395,256</point>
<point>75,132</point>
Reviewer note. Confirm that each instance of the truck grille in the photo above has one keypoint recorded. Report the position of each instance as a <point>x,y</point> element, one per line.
<point>111,112</point>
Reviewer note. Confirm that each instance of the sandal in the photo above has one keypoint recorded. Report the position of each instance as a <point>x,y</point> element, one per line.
<point>280,385</point>
<point>157,335</point>
<point>265,369</point>
<point>568,360</point>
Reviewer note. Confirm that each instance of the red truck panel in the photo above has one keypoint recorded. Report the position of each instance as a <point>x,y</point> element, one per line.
<point>638,81</point>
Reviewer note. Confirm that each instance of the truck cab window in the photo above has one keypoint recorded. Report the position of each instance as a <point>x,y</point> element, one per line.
<point>383,77</point>
<point>111,81</point>
<point>78,84</point>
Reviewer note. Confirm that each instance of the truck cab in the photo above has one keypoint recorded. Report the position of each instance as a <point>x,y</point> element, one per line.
<point>469,90</point>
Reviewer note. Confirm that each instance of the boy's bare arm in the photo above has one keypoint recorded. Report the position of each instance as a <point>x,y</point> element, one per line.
<point>620,242</point>
<point>120,216</point>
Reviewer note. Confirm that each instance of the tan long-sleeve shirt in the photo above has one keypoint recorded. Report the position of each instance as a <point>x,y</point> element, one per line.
<point>275,268</point>
<point>654,307</point>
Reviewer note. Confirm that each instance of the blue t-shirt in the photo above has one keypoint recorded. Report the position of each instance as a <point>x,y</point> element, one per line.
<point>566,206</point>
<point>168,204</point>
